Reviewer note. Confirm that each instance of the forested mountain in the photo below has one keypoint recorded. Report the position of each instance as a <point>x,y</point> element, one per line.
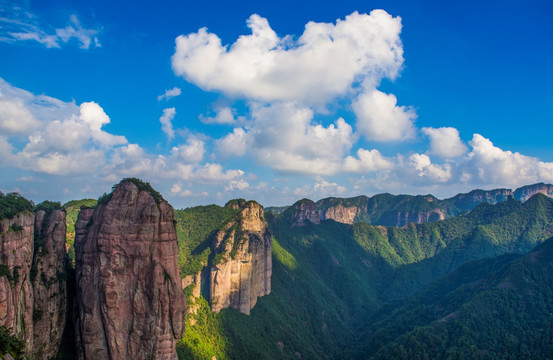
<point>286,284</point>
<point>329,278</point>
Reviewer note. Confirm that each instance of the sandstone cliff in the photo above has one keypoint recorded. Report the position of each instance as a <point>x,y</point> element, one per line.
<point>303,211</point>
<point>129,295</point>
<point>16,292</point>
<point>526,192</point>
<point>241,269</point>
<point>49,283</point>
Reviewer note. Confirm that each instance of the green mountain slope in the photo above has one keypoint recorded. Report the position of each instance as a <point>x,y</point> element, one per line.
<point>499,308</point>
<point>328,279</point>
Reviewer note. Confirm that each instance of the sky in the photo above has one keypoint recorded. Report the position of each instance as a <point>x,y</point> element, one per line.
<point>274,101</point>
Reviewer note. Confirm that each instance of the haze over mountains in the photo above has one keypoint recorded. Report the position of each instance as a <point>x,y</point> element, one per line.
<point>340,278</point>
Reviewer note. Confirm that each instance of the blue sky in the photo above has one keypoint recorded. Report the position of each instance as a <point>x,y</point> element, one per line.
<point>210,101</point>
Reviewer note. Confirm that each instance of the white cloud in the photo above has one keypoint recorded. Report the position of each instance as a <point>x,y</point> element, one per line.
<point>488,164</point>
<point>25,28</point>
<point>192,152</point>
<point>445,142</point>
<point>431,173</point>
<point>75,30</point>
<point>223,115</point>
<point>284,137</point>
<point>15,117</point>
<point>379,118</point>
<point>69,140</point>
<point>237,185</point>
<point>166,122</point>
<point>233,144</point>
<point>367,161</point>
<point>169,94</point>
<point>326,61</point>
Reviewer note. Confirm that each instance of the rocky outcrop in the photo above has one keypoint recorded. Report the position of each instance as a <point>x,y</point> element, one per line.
<point>526,192</point>
<point>341,214</point>
<point>403,218</point>
<point>49,283</point>
<point>304,211</point>
<point>129,295</point>
<point>242,266</point>
<point>472,199</point>
<point>16,291</point>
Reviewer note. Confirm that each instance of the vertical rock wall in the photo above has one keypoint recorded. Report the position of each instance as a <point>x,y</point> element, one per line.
<point>129,295</point>
<point>16,291</point>
<point>241,271</point>
<point>49,284</point>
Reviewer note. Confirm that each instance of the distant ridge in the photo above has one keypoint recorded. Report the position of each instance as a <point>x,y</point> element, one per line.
<point>399,210</point>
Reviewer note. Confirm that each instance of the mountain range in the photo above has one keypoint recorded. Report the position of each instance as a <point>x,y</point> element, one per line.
<point>382,277</point>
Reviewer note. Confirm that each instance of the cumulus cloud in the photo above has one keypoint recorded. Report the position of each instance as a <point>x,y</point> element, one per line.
<point>223,115</point>
<point>488,164</point>
<point>169,94</point>
<point>15,118</point>
<point>367,161</point>
<point>166,122</point>
<point>431,173</point>
<point>379,118</point>
<point>70,140</point>
<point>233,144</point>
<point>324,62</point>
<point>284,137</point>
<point>445,142</point>
<point>22,26</point>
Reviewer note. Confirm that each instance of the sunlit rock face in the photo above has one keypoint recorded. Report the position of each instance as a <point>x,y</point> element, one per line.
<point>526,192</point>
<point>131,305</point>
<point>241,271</point>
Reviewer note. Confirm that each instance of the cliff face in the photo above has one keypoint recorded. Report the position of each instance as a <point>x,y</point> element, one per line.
<point>403,218</point>
<point>341,213</point>
<point>16,291</point>
<point>49,283</point>
<point>129,295</point>
<point>241,271</point>
<point>303,211</point>
<point>526,192</point>
<point>472,199</point>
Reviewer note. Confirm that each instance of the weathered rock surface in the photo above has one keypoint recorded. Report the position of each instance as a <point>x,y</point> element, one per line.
<point>342,214</point>
<point>403,218</point>
<point>129,295</point>
<point>526,192</point>
<point>472,199</point>
<point>49,283</point>
<point>241,271</point>
<point>304,211</point>
<point>16,292</point>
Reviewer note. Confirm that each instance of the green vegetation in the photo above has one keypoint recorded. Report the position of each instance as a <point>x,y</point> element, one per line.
<point>10,344</point>
<point>72,209</point>
<point>195,229</point>
<point>205,339</point>
<point>499,308</point>
<point>330,282</point>
<point>141,185</point>
<point>48,207</point>
<point>13,203</point>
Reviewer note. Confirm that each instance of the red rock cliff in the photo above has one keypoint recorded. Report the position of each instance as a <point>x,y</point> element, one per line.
<point>16,292</point>
<point>129,295</point>
<point>49,284</point>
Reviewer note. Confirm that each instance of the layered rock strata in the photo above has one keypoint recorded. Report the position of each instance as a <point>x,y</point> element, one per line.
<point>129,295</point>
<point>242,266</point>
